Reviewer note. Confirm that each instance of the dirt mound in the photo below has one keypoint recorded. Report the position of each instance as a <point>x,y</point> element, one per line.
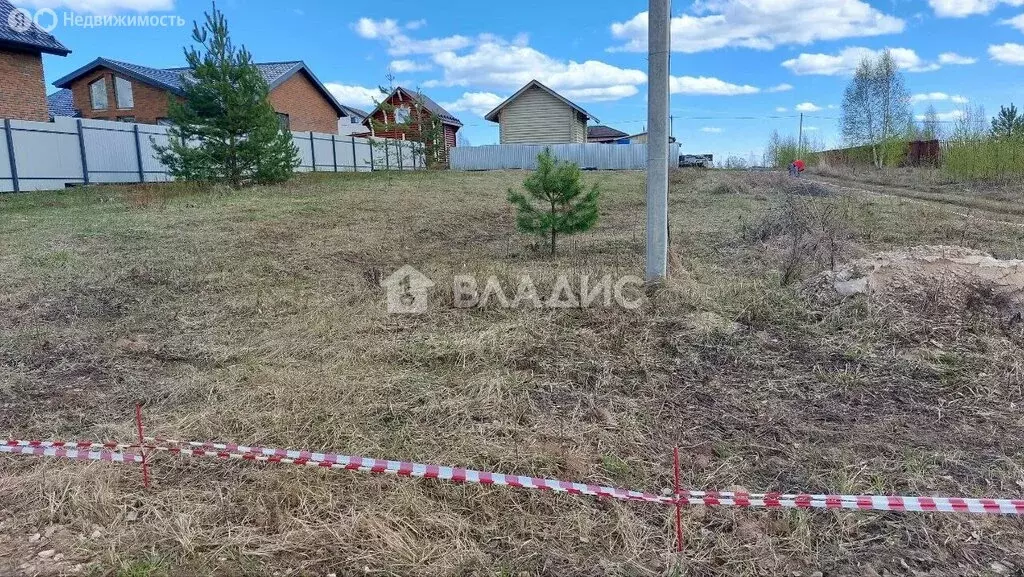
<point>936,271</point>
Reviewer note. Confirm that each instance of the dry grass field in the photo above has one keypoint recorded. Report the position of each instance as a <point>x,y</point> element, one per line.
<point>257,317</point>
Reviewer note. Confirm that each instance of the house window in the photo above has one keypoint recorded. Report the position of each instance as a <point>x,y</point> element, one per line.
<point>98,94</point>
<point>126,119</point>
<point>123,92</point>
<point>402,114</point>
<point>284,121</point>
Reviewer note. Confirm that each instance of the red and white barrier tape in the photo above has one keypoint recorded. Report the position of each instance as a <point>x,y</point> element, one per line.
<point>77,454</point>
<point>460,475</point>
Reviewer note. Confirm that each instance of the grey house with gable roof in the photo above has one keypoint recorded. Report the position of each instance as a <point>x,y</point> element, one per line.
<point>538,115</point>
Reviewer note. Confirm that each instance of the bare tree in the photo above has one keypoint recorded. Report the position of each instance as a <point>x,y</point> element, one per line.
<point>876,108</point>
<point>970,125</point>
<point>931,129</point>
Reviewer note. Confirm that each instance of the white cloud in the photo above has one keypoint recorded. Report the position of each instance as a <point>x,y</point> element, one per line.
<point>962,8</point>
<point>402,66</point>
<point>810,128</point>
<point>415,24</point>
<point>761,24</point>
<point>479,103</point>
<point>399,44</point>
<point>101,6</point>
<point>847,60</point>
<point>1017,22</point>
<point>807,107</point>
<point>1008,53</point>
<point>354,95</point>
<point>781,109</point>
<point>711,130</point>
<point>943,116</point>
<point>780,88</point>
<point>954,58</point>
<point>494,63</point>
<point>695,85</point>
<point>937,97</point>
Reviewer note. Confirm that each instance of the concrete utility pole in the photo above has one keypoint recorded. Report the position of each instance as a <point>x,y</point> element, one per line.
<point>800,139</point>
<point>658,45</point>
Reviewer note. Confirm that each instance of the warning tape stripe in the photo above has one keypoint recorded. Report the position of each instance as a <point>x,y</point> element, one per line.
<point>75,450</point>
<point>455,474</point>
<point>71,444</point>
<point>74,454</point>
<point>707,498</point>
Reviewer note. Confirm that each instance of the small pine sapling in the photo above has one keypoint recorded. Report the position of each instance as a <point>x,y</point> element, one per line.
<point>556,201</point>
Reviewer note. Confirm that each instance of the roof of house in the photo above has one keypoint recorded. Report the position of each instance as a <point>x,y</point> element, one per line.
<point>27,37</point>
<point>61,103</point>
<point>172,79</point>
<point>493,115</point>
<point>355,112</point>
<point>434,108</point>
<point>602,132</point>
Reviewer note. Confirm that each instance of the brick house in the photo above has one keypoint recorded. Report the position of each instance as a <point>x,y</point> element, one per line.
<point>111,90</point>
<point>22,45</point>
<point>410,110</point>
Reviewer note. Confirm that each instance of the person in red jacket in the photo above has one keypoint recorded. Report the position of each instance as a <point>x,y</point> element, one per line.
<point>797,167</point>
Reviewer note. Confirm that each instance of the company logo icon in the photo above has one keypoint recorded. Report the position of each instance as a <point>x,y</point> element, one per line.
<point>407,291</point>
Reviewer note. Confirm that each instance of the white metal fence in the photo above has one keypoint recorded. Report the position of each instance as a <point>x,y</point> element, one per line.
<point>71,151</point>
<point>587,156</point>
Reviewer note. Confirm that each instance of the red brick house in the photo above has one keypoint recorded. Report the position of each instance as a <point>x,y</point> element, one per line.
<point>111,90</point>
<point>404,111</point>
<point>22,45</point>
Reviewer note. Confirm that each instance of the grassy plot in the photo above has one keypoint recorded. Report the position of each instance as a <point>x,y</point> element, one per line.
<point>257,317</point>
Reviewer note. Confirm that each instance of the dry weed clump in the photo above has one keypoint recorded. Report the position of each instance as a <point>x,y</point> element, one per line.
<point>804,235</point>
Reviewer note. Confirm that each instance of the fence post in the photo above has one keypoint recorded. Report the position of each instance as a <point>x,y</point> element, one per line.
<point>334,152</point>
<point>312,149</point>
<point>371,153</point>
<point>138,154</point>
<point>355,168</point>
<point>11,155</point>
<point>81,146</point>
<point>387,155</point>
<point>401,151</point>
<point>413,149</point>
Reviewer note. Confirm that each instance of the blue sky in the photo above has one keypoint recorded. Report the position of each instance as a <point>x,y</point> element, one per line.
<point>741,68</point>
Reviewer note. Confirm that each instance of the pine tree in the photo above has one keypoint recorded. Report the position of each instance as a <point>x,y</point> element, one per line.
<point>1008,124</point>
<point>558,203</point>
<point>224,129</point>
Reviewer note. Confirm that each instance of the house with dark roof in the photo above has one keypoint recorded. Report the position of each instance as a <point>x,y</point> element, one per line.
<point>22,45</point>
<point>538,115</point>
<point>113,90</point>
<point>604,134</point>
<point>409,111</point>
<point>353,123</point>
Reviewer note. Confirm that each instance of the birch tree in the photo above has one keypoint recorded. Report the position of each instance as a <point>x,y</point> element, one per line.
<point>876,109</point>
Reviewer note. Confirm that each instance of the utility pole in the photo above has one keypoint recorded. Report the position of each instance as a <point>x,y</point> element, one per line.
<point>658,46</point>
<point>800,139</point>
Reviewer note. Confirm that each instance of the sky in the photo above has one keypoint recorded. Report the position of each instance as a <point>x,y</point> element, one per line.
<point>740,68</point>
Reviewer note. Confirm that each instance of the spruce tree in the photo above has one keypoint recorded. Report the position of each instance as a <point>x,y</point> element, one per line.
<point>224,129</point>
<point>558,203</point>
